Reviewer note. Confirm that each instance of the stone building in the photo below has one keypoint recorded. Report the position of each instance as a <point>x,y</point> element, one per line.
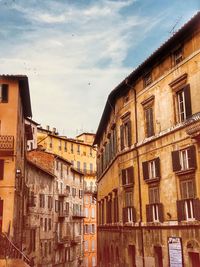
<point>148,161</point>
<point>32,125</point>
<point>54,219</point>
<point>15,106</point>
<point>81,153</point>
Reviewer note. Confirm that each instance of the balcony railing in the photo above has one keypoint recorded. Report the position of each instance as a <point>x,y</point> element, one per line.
<point>76,240</point>
<point>64,193</point>
<point>86,172</point>
<point>63,214</point>
<point>78,215</point>
<point>61,240</point>
<point>90,189</point>
<point>6,145</point>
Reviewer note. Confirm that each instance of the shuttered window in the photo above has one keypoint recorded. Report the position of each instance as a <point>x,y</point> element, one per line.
<point>126,135</point>
<point>4,93</point>
<point>128,176</point>
<point>184,159</point>
<point>151,169</point>
<point>128,198</point>
<point>1,169</point>
<point>1,214</point>
<point>154,212</point>
<point>187,189</point>
<point>153,195</point>
<point>149,121</point>
<point>129,214</point>
<point>184,103</point>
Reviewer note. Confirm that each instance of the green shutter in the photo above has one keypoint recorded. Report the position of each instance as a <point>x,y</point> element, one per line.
<point>187,96</point>
<point>176,161</point>
<point>145,170</point>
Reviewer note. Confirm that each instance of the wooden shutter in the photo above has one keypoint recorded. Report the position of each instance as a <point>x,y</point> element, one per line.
<point>145,170</point>
<point>4,93</point>
<point>130,175</point>
<point>134,214</point>
<point>149,122</point>
<point>123,176</point>
<point>1,169</point>
<point>176,161</point>
<point>1,214</point>
<point>192,157</point>
<point>187,96</point>
<point>160,212</point>
<point>157,165</point>
<point>122,136</point>
<point>149,213</point>
<point>125,215</point>
<point>181,210</point>
<point>196,207</point>
<point>129,133</point>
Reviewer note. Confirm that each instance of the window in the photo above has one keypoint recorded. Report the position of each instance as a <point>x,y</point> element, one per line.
<point>91,167</point>
<point>67,208</point>
<point>45,249</point>
<point>60,145</point>
<point>178,56</point>
<point>65,148</point>
<point>125,134</point>
<point>49,247</point>
<point>45,224</point>
<point>49,224</point>
<point>90,151</point>
<point>42,200</point>
<point>184,159</point>
<point>149,121</point>
<point>128,210</point>
<point>72,148</point>
<point>86,261</point>
<point>86,230</point>
<point>84,166</point>
<point>78,165</point>
<point>41,223</point>
<point>3,93</point>
<point>80,193</point>
<point>154,210</point>
<point>86,212</point>
<point>188,208</point>
<point>56,205</point>
<point>147,80</point>
<point>93,229</point>
<point>151,169</point>
<point>32,239</point>
<point>126,98</point>
<point>49,202</point>
<point>93,212</point>
<point>50,143</point>
<point>78,149</point>
<point>93,261</point>
<point>73,192</point>
<point>184,109</point>
<point>116,208</point>
<point>93,245</point>
<point>86,245</point>
<point>127,176</point>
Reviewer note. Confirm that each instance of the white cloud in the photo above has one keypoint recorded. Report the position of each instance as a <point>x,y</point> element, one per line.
<point>73,65</point>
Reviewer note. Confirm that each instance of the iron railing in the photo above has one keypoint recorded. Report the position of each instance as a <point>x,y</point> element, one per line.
<point>6,142</point>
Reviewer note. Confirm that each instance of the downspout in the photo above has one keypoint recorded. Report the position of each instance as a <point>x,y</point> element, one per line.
<point>139,183</point>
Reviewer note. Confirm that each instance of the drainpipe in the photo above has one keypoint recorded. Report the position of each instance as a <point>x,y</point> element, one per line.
<point>139,184</point>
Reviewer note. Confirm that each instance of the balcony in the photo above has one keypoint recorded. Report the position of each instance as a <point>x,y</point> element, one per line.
<point>62,214</point>
<point>194,131</point>
<point>78,215</point>
<point>90,189</point>
<point>6,145</point>
<point>76,240</point>
<point>62,240</point>
<point>63,193</point>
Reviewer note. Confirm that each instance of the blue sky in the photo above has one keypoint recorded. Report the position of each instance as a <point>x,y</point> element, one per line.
<point>76,51</point>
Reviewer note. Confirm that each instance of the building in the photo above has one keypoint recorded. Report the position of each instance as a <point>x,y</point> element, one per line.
<point>148,161</point>
<point>81,153</point>
<point>54,219</point>
<point>32,125</point>
<point>15,106</point>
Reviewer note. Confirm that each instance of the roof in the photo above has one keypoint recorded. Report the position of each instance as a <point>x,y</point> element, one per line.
<point>85,133</point>
<point>40,168</point>
<point>157,55</point>
<point>24,92</point>
<point>32,121</point>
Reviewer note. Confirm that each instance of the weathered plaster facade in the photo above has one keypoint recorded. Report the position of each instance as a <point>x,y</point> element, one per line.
<point>148,159</point>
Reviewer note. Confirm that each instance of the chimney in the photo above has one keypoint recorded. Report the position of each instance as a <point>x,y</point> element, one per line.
<point>54,130</point>
<point>47,127</point>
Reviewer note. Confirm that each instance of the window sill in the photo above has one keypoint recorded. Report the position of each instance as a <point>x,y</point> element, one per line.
<point>149,181</point>
<point>182,172</point>
<point>128,185</point>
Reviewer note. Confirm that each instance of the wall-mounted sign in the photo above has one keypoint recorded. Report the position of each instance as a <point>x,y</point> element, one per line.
<point>175,252</point>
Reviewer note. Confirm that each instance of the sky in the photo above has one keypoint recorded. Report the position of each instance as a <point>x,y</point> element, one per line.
<point>75,52</point>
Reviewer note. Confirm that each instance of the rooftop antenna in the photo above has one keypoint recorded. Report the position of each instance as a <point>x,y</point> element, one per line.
<point>173,30</point>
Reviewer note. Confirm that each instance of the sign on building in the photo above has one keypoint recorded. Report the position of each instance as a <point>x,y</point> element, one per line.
<point>175,252</point>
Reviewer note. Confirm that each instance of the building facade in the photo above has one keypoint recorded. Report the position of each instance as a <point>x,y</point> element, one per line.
<point>54,219</point>
<point>15,106</point>
<point>82,155</point>
<point>148,161</point>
